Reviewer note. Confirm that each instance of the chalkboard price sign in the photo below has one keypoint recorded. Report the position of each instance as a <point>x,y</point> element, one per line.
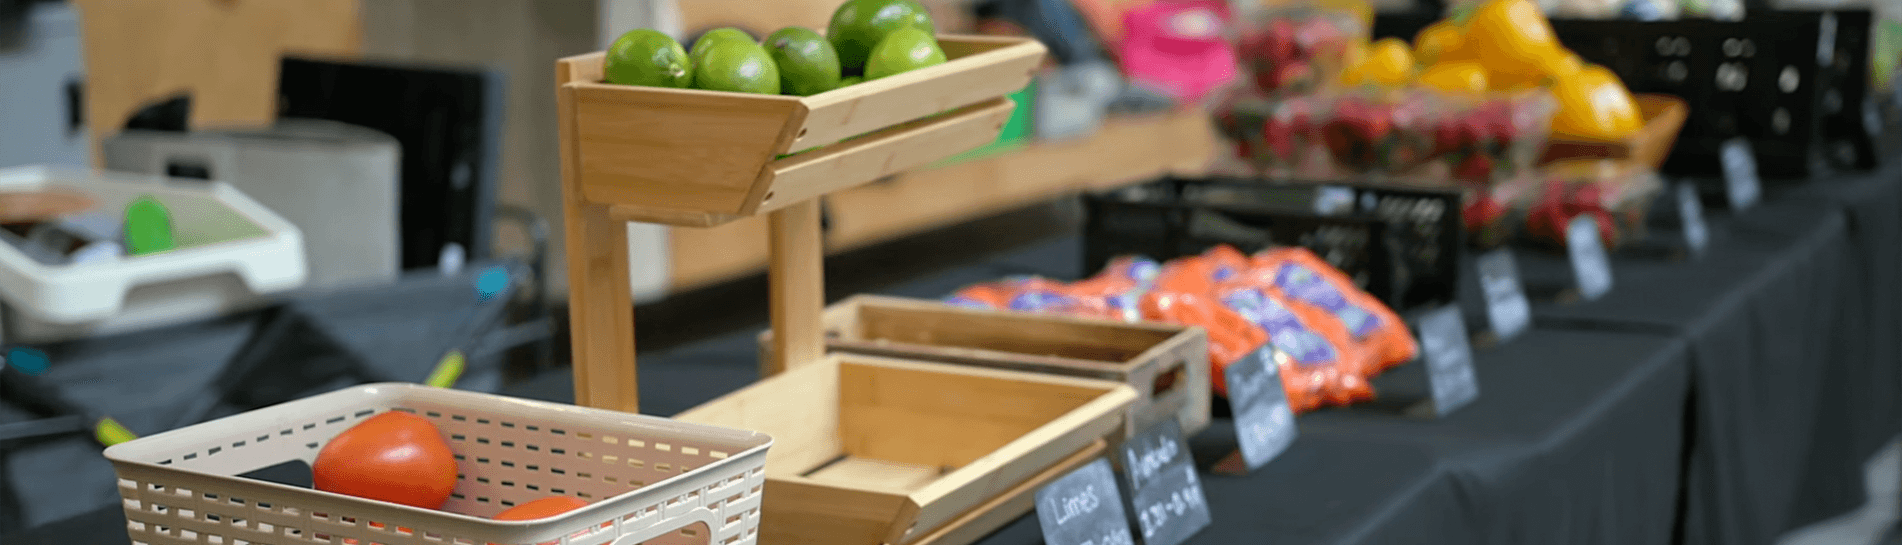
<point>1690,212</point>
<point>1449,359</point>
<point>1740,174</point>
<point>1084,507</point>
<point>1264,424</point>
<point>1591,266</point>
<point>1506,304</point>
<point>1166,493</point>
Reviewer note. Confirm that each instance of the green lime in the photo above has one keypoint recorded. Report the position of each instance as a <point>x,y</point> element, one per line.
<point>706,40</point>
<point>850,81</point>
<point>903,50</point>
<point>807,63</point>
<point>740,67</point>
<point>859,25</point>
<point>650,58</point>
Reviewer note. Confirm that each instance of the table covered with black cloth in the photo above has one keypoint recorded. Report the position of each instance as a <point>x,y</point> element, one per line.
<point>1792,388</point>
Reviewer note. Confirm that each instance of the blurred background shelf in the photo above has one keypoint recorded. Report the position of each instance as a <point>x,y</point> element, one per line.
<point>1126,150</point>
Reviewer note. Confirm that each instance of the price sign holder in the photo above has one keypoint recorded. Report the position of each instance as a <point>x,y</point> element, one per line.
<point>1591,266</point>
<point>1264,423</point>
<point>1164,491</point>
<point>1690,213</point>
<point>1449,363</point>
<point>1741,182</point>
<point>1084,507</point>
<point>1508,311</point>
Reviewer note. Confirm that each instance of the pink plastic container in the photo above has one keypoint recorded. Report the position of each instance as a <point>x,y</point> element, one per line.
<point>1179,47</point>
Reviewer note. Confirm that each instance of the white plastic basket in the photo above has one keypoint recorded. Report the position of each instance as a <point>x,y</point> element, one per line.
<point>650,480</point>
<point>232,251</point>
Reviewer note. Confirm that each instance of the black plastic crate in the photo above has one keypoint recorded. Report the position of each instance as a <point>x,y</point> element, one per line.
<point>1401,245</point>
<point>1792,82</point>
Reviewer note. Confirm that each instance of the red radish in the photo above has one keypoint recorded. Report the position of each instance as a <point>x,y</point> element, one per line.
<point>1482,212</point>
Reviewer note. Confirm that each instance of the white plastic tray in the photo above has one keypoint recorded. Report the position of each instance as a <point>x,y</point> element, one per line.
<point>650,480</point>
<point>219,230</point>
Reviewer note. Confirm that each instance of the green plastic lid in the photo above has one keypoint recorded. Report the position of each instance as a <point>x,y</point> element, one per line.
<point>148,227</point>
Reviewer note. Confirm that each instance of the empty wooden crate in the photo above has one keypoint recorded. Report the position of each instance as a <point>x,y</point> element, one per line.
<point>1167,365</point>
<point>701,158</point>
<point>872,450</point>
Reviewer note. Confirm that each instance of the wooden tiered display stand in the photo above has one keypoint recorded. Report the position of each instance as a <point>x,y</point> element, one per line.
<point>701,158</point>
<point>867,450</point>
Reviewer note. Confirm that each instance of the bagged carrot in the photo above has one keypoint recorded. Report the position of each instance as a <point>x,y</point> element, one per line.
<point>1310,282</point>
<point>1318,368</point>
<point>1231,337</point>
<point>1117,291</point>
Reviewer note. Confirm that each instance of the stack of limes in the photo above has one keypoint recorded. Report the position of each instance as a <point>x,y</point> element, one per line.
<point>867,39</point>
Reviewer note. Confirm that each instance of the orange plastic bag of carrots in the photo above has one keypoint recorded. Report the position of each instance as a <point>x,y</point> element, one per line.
<point>1310,283</point>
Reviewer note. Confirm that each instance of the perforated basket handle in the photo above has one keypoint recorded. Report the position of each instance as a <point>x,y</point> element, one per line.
<point>661,528</point>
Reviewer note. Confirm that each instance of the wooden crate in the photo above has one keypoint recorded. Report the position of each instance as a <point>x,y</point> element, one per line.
<point>703,158</point>
<point>1167,365</point>
<point>871,450</point>
<point>1663,115</point>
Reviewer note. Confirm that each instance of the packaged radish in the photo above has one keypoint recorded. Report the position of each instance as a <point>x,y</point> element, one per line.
<point>1305,280</point>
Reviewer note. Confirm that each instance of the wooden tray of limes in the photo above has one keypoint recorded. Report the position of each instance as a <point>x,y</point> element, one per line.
<point>703,158</point>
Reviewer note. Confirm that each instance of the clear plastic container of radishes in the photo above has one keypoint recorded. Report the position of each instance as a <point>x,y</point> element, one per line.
<point>1381,132</point>
<point>1277,138</point>
<point>1538,208</point>
<point>1296,50</point>
<point>1490,139</point>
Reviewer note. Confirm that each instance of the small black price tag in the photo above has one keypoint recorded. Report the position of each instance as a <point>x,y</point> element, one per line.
<point>1084,507</point>
<point>1590,266</point>
<point>1166,494</point>
<point>1506,306</point>
<point>1740,174</point>
<point>1690,213</point>
<point>1264,424</point>
<point>1449,359</point>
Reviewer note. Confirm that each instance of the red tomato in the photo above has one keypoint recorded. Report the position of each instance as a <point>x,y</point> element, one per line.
<point>395,457</point>
<point>542,508</point>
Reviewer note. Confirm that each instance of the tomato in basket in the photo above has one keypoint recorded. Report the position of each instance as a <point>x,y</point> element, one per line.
<point>542,508</point>
<point>395,457</point>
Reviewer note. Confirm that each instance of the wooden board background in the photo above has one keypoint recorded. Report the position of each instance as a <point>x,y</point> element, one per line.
<point>1125,151</point>
<point>224,52</point>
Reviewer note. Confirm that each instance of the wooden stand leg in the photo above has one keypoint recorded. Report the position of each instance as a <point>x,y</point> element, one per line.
<point>600,299</point>
<point>600,310</point>
<point>798,287</point>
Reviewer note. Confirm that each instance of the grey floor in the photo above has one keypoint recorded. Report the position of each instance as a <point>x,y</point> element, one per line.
<point>1873,523</point>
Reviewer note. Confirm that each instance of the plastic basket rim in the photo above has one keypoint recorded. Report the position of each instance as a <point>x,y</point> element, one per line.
<point>116,454</point>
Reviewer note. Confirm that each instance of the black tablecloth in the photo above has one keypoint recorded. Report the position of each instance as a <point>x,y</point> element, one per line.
<point>1762,314</point>
<point>1792,327</point>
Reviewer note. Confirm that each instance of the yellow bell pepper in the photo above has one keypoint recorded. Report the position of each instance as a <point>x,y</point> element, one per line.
<point>1455,77</point>
<point>1593,104</point>
<point>1440,39</point>
<point>1510,36</point>
<point>1389,62</point>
